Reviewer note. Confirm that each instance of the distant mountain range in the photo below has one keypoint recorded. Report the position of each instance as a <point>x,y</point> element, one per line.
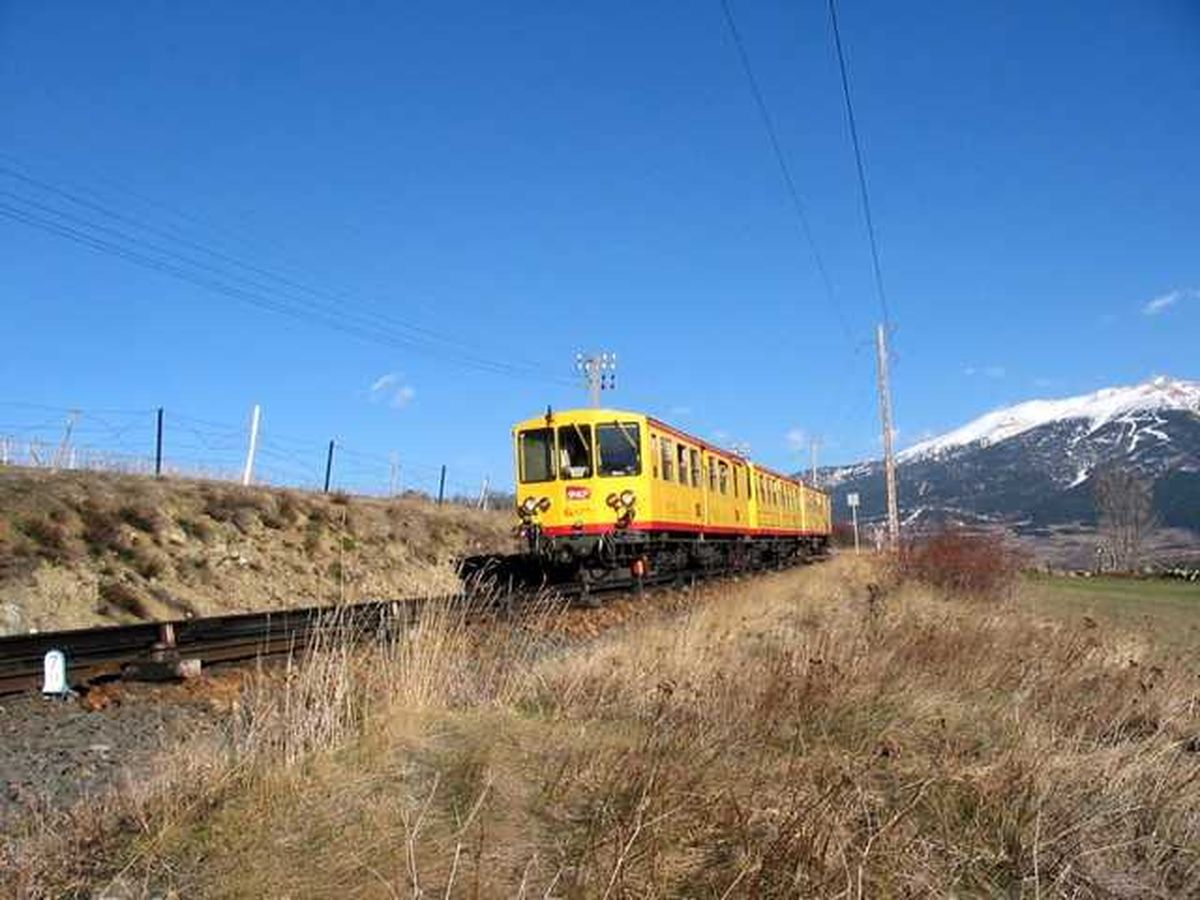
<point>1033,464</point>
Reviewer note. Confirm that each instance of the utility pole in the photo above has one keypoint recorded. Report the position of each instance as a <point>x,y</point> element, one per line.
<point>255,416</point>
<point>816,444</point>
<point>599,371</point>
<point>889,455</point>
<point>483,494</point>
<point>442,486</point>
<point>393,474</point>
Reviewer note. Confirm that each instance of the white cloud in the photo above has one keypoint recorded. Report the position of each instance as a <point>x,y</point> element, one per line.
<point>797,439</point>
<point>1167,300</point>
<point>985,371</point>
<point>392,390</point>
<point>680,411</point>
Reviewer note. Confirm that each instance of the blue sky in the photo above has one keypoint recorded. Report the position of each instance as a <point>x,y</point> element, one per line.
<point>519,184</point>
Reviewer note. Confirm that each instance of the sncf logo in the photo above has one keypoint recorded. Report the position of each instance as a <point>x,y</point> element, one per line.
<point>578,493</point>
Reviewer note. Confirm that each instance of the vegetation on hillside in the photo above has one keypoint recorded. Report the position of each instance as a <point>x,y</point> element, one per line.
<point>82,548</point>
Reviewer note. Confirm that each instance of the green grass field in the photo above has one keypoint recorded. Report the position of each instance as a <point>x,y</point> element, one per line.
<point>1168,610</point>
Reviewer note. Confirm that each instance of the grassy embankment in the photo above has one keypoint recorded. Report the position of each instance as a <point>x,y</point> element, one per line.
<point>1168,611</point>
<point>80,548</point>
<point>788,737</point>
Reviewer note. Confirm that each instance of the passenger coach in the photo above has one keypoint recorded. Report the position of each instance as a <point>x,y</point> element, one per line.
<point>600,490</point>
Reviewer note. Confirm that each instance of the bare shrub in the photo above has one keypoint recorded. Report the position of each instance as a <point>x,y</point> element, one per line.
<point>17,555</point>
<point>118,596</point>
<point>143,516</point>
<point>196,528</point>
<point>242,508</point>
<point>961,562</point>
<point>843,535</point>
<point>101,527</point>
<point>52,539</point>
<point>146,560</point>
<point>283,512</point>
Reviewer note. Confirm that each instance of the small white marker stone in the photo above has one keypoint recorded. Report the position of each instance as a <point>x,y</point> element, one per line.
<point>54,671</point>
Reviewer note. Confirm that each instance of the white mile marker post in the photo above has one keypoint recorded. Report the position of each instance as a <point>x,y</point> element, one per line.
<point>54,674</point>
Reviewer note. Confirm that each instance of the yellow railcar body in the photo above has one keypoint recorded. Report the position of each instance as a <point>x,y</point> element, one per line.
<point>600,471</point>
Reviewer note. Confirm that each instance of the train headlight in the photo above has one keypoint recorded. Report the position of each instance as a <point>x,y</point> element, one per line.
<point>544,504</point>
<point>627,498</point>
<point>612,500</point>
<point>529,505</point>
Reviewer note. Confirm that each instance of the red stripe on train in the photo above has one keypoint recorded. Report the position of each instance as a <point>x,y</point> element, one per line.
<point>567,530</point>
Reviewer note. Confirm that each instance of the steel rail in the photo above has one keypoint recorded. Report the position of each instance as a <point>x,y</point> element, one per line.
<point>98,653</point>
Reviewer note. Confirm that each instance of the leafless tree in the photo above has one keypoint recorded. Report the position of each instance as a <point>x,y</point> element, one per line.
<point>1125,508</point>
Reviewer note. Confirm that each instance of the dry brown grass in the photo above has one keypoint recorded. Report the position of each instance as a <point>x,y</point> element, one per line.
<point>782,738</point>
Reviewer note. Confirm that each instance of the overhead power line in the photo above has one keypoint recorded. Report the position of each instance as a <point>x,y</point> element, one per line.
<point>784,170</point>
<point>279,293</point>
<point>858,161</point>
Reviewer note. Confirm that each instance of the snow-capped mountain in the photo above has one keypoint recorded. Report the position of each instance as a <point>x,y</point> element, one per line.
<point>1034,462</point>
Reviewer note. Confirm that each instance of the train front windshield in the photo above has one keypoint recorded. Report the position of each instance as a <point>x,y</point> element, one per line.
<point>537,455</point>
<point>620,448</point>
<point>568,453</point>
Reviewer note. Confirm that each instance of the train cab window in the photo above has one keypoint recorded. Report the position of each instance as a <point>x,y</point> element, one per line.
<point>723,475</point>
<point>681,462</point>
<point>696,476</point>
<point>668,460</point>
<point>737,476</point>
<point>537,455</point>
<point>575,451</point>
<point>619,449</point>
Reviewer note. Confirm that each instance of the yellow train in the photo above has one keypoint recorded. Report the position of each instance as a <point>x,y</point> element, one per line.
<point>602,491</point>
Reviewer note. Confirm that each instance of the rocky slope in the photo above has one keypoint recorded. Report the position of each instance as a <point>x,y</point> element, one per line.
<point>80,549</point>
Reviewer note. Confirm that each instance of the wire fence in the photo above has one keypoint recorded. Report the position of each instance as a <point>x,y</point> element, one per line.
<point>154,442</point>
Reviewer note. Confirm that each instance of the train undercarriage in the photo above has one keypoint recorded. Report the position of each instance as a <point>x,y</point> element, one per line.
<point>631,558</point>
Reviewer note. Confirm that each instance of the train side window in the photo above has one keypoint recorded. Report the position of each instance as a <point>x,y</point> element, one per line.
<point>667,460</point>
<point>696,477</point>
<point>681,462</point>
<point>737,475</point>
<point>723,469</point>
<point>654,454</point>
<point>712,475</point>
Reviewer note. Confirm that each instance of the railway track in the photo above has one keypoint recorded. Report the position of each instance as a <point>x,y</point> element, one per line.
<point>165,650</point>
